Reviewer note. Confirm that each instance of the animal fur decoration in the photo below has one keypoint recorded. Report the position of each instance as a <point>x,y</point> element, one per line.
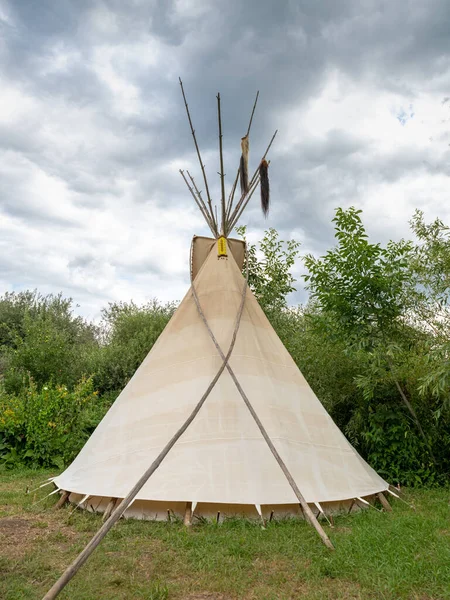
<point>264,186</point>
<point>243,168</point>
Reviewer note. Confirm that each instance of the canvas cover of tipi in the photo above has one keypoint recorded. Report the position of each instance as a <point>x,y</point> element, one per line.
<point>221,463</point>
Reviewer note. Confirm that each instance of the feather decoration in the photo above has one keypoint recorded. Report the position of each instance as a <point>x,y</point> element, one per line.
<point>264,186</point>
<point>243,168</point>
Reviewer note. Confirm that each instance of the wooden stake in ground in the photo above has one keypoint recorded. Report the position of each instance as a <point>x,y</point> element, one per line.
<point>111,505</point>
<point>382,498</point>
<point>188,514</point>
<point>64,498</point>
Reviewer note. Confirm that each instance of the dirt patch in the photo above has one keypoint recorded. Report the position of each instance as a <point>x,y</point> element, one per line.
<point>344,589</point>
<point>280,565</point>
<point>207,596</point>
<point>9,524</point>
<point>17,535</point>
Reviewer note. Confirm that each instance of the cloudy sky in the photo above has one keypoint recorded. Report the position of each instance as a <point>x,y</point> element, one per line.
<point>93,129</point>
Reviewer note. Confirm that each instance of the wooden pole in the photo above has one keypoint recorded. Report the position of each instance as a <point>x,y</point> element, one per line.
<point>244,205</point>
<point>198,192</point>
<point>64,498</point>
<point>384,502</point>
<point>222,174</point>
<point>305,506</point>
<point>231,198</point>
<point>188,515</point>
<point>233,189</point>
<point>118,512</point>
<point>111,505</point>
<point>253,112</point>
<point>202,166</point>
<point>242,199</point>
<point>199,202</point>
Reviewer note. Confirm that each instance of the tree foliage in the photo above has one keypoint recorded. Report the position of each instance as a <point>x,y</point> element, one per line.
<point>43,339</point>
<point>269,269</point>
<point>361,285</point>
<point>379,302</point>
<point>431,279</point>
<point>46,426</point>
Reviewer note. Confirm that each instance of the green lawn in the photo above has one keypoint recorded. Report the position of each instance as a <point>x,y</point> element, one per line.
<point>403,554</point>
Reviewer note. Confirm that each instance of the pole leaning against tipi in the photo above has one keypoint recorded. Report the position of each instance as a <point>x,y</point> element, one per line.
<point>305,506</point>
<point>71,571</point>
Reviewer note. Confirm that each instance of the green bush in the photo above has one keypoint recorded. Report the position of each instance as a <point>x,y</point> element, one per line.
<point>42,338</point>
<point>129,332</point>
<point>394,450</point>
<point>47,427</point>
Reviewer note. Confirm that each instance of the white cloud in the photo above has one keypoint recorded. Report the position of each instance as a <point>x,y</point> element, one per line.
<point>5,15</point>
<point>386,167</point>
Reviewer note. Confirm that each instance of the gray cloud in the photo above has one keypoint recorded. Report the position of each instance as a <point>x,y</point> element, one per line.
<point>93,129</point>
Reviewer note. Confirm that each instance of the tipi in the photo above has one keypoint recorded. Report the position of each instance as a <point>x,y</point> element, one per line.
<point>259,443</point>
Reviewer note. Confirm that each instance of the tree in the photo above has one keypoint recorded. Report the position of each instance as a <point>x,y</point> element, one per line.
<point>42,338</point>
<point>269,276</point>
<point>431,269</point>
<point>363,288</point>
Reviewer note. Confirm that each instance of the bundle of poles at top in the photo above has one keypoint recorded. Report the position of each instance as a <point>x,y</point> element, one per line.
<point>231,211</point>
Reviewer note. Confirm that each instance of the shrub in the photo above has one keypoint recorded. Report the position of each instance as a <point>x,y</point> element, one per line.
<point>40,336</point>
<point>46,427</point>
<point>129,332</point>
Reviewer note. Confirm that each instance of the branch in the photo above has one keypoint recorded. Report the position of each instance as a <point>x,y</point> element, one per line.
<point>253,112</point>
<point>198,154</point>
<point>199,203</point>
<point>233,189</point>
<point>409,407</point>
<point>222,175</point>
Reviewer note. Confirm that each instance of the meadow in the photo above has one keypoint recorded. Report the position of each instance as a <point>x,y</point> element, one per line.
<point>404,554</point>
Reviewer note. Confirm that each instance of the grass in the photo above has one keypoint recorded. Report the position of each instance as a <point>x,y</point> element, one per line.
<point>381,556</point>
